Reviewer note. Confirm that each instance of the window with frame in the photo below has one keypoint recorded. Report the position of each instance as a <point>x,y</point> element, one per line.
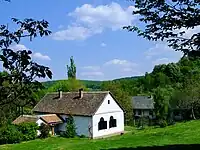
<point>112,122</point>
<point>102,124</point>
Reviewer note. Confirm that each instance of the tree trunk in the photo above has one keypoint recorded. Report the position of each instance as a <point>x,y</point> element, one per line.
<point>193,115</point>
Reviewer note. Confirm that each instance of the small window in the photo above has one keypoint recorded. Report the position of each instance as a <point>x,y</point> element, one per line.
<point>108,101</point>
<point>112,122</point>
<point>102,124</point>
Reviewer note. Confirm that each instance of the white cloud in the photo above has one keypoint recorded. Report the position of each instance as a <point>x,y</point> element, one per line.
<point>92,74</point>
<point>158,49</point>
<point>91,20</point>
<point>104,16</point>
<point>110,70</point>
<point>72,33</point>
<point>17,47</point>
<point>127,69</point>
<point>162,50</point>
<point>93,68</point>
<point>103,45</point>
<point>40,56</point>
<point>189,32</point>
<point>161,61</point>
<point>120,62</point>
<point>60,26</point>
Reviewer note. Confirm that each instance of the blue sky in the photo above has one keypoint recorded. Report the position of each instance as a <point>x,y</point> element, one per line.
<point>91,32</point>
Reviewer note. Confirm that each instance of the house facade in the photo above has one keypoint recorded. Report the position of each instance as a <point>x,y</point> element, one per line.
<point>96,114</point>
<point>143,106</point>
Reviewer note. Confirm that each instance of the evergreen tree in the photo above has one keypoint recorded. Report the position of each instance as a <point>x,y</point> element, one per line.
<point>71,69</point>
<point>70,128</point>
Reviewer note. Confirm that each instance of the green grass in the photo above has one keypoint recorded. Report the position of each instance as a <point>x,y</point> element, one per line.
<point>181,133</point>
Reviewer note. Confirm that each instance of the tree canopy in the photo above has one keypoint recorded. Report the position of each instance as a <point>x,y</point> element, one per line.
<point>71,69</point>
<point>168,20</point>
<point>19,80</point>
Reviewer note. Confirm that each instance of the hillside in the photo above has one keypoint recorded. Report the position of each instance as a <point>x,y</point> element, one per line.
<point>91,84</point>
<point>169,138</point>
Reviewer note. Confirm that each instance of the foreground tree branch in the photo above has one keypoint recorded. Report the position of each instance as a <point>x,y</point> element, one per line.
<point>18,82</point>
<point>167,20</point>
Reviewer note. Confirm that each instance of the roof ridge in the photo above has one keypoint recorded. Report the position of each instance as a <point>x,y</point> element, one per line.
<point>78,92</point>
<point>31,116</point>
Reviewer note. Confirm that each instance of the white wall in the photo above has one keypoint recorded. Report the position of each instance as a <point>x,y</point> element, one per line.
<point>106,111</point>
<point>39,122</point>
<point>119,116</point>
<point>105,107</point>
<point>82,124</point>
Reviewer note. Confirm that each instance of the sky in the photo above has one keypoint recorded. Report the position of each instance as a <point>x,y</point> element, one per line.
<point>90,31</point>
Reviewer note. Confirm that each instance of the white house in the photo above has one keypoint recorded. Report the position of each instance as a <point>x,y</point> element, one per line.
<point>96,114</point>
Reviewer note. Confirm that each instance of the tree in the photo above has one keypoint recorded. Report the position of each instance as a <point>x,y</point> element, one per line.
<point>19,82</point>
<point>167,20</point>
<point>70,128</point>
<point>71,69</point>
<point>191,99</point>
<point>69,85</point>
<point>161,98</point>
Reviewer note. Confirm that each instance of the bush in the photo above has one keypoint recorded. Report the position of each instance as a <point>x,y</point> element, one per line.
<point>70,128</point>
<point>44,130</point>
<point>82,136</point>
<point>163,123</point>
<point>9,134</point>
<point>29,131</point>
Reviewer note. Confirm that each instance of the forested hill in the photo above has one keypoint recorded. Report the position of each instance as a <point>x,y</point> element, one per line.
<point>90,84</point>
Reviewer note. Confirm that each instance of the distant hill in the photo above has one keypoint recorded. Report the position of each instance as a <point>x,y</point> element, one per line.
<point>128,78</point>
<point>90,84</point>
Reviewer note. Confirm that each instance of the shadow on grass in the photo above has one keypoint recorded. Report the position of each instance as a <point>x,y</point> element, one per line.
<point>166,147</point>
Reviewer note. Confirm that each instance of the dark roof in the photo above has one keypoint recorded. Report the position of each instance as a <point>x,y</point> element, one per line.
<point>70,103</point>
<point>25,118</point>
<point>142,102</point>
<point>51,119</point>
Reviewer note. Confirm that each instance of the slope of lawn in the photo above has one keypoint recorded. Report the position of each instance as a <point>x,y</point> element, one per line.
<point>182,133</point>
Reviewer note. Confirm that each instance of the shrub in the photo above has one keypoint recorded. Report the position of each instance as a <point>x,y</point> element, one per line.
<point>9,134</point>
<point>82,136</point>
<point>44,130</point>
<point>163,123</point>
<point>29,131</point>
<point>70,128</point>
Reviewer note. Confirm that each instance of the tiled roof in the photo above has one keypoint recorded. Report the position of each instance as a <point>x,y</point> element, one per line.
<point>142,102</point>
<point>71,103</point>
<point>51,119</point>
<point>25,118</point>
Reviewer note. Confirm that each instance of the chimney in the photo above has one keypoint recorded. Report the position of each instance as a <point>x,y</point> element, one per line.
<point>60,94</point>
<point>81,93</point>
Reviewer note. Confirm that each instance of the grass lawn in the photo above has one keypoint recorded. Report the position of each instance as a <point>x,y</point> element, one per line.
<point>182,133</point>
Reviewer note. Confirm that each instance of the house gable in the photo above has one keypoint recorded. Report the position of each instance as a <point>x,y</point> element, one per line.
<point>108,105</point>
